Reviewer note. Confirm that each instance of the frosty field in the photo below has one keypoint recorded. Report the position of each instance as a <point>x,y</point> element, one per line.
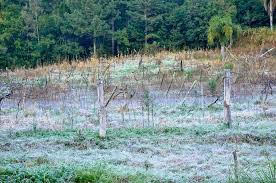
<point>169,130</point>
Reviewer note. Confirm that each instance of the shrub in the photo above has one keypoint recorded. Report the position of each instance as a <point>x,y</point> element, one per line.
<point>229,66</point>
<point>212,86</point>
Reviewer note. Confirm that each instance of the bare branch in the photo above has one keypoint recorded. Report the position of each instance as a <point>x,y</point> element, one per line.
<point>193,85</point>
<point>111,96</point>
<point>210,105</point>
<point>266,52</point>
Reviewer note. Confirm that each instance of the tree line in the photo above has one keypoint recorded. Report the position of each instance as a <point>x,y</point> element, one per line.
<point>38,32</point>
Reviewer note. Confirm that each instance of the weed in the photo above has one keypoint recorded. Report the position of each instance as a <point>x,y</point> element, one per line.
<point>229,66</point>
<point>189,73</point>
<point>266,175</point>
<point>98,174</point>
<point>212,85</point>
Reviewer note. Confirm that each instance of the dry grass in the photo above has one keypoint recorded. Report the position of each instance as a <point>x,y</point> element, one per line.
<point>252,41</point>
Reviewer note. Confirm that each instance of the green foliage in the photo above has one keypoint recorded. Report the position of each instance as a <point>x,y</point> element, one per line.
<point>39,133</point>
<point>36,33</point>
<point>251,13</point>
<point>222,30</point>
<point>212,85</point>
<point>96,173</point>
<point>189,72</point>
<point>152,48</point>
<point>43,174</point>
<point>105,175</point>
<point>229,66</point>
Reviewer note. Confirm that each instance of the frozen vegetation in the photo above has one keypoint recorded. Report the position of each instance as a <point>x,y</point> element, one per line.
<point>164,135</point>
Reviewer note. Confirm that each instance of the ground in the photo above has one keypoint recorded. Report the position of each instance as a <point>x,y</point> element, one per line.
<point>164,135</point>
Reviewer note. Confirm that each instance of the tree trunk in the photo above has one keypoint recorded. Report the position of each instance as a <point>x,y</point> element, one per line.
<point>236,166</point>
<point>271,14</point>
<point>118,49</point>
<point>37,28</point>
<point>94,47</point>
<point>222,51</point>
<point>113,40</point>
<point>94,43</point>
<point>146,27</point>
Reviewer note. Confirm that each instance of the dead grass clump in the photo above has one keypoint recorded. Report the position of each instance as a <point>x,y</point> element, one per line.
<point>247,138</point>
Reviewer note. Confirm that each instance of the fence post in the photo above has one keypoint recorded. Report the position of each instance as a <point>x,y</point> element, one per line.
<point>236,166</point>
<point>227,97</point>
<point>101,100</point>
<point>102,112</point>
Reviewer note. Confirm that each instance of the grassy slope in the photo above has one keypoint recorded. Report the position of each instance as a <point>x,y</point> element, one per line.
<point>254,40</point>
<point>193,146</point>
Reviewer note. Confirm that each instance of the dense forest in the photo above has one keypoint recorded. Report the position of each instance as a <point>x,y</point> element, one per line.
<point>37,32</point>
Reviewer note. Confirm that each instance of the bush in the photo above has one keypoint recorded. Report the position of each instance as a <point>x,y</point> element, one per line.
<point>98,174</point>
<point>212,86</point>
<point>229,66</point>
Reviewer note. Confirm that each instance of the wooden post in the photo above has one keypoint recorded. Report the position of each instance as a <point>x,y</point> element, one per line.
<point>152,114</point>
<point>202,93</point>
<point>143,116</point>
<point>101,101</point>
<point>227,97</point>
<point>170,86</point>
<point>236,166</point>
<point>102,112</point>
<point>162,80</point>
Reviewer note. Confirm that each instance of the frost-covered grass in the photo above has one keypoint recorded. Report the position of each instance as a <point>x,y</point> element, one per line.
<point>97,173</point>
<point>266,175</point>
<point>164,136</point>
<point>198,152</point>
<point>183,142</point>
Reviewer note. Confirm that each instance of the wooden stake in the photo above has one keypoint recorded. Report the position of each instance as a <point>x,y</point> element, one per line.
<point>202,92</point>
<point>101,100</point>
<point>162,80</point>
<point>227,97</point>
<point>102,112</point>
<point>169,87</point>
<point>236,166</point>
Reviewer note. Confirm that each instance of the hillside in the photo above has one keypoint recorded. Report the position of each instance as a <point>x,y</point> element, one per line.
<point>137,91</point>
